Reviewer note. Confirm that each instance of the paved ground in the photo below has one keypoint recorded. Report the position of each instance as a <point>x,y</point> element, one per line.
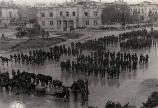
<point>87,35</point>
<point>124,90</point>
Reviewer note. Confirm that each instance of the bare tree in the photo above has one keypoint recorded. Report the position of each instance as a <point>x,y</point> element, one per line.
<point>117,13</point>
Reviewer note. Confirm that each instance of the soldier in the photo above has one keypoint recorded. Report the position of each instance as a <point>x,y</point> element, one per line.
<point>3,36</point>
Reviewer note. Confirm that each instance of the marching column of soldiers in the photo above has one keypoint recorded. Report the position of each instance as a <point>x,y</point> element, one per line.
<point>135,39</point>
<point>102,63</point>
<point>98,62</point>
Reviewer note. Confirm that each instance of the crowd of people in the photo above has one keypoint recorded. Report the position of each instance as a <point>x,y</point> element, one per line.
<point>136,39</point>
<point>80,87</point>
<point>150,103</point>
<point>102,63</point>
<point>111,104</point>
<point>98,61</point>
<point>39,57</point>
<point>133,39</point>
<point>54,53</point>
<point>97,43</point>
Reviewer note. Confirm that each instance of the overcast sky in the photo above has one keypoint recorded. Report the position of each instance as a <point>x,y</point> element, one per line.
<point>60,1</point>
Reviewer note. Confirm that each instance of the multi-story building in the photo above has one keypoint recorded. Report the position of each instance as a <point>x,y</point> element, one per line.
<point>84,14</point>
<point>8,13</point>
<point>144,8</point>
<point>77,14</point>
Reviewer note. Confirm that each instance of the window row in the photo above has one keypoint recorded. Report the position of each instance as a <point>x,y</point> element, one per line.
<point>68,14</point>
<point>94,23</point>
<point>61,14</point>
<point>10,14</point>
<point>86,23</point>
<point>87,14</point>
<point>140,10</point>
<point>51,23</point>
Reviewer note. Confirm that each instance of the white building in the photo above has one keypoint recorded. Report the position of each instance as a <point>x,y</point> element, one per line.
<point>144,8</point>
<point>8,13</point>
<point>78,14</point>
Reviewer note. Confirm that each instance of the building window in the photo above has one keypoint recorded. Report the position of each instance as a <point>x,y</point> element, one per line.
<point>87,22</point>
<point>67,14</point>
<point>73,13</point>
<point>95,22</point>
<point>59,24</point>
<point>43,23</point>
<point>51,23</point>
<point>95,13</point>
<point>139,10</point>
<point>0,12</point>
<point>51,14</point>
<point>42,14</point>
<point>131,10</point>
<point>61,13</point>
<point>86,13</point>
<point>10,14</point>
<point>142,11</point>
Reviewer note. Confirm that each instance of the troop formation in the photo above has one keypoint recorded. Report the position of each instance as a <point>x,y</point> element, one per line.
<point>97,43</point>
<point>93,57</point>
<point>39,57</point>
<point>133,39</point>
<point>136,39</point>
<point>104,63</point>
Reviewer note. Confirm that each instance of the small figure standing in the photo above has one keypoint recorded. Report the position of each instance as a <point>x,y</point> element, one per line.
<point>67,95</point>
<point>83,97</point>
<point>152,29</point>
<point>3,36</point>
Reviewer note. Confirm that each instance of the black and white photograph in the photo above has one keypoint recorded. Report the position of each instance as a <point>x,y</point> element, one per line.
<point>78,53</point>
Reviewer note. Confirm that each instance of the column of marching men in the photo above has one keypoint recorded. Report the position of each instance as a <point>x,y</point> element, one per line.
<point>98,62</point>
<point>136,39</point>
<point>104,63</point>
<point>39,57</point>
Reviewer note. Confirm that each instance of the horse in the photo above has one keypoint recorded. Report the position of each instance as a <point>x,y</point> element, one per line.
<point>4,59</point>
<point>57,83</point>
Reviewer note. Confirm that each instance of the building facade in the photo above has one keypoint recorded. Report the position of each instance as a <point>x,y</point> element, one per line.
<point>67,17</point>
<point>144,8</point>
<point>8,13</point>
<point>84,14</point>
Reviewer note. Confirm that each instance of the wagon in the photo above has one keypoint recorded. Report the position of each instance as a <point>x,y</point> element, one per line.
<point>54,90</point>
<point>40,90</point>
<point>57,92</point>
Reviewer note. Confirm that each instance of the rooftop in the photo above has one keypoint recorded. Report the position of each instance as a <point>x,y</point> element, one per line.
<point>8,4</point>
<point>84,3</point>
<point>143,3</point>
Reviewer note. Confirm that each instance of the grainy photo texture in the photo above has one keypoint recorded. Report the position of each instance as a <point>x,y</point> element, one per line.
<point>78,54</point>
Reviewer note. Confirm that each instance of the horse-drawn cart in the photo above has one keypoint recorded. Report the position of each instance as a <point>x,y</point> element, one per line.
<point>54,90</point>
<point>49,91</point>
<point>57,92</point>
